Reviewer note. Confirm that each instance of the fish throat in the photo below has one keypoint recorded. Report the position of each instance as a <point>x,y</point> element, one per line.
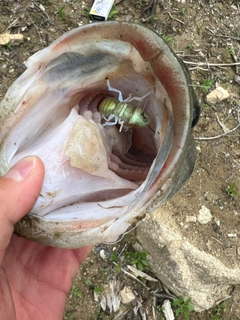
<point>129,146</point>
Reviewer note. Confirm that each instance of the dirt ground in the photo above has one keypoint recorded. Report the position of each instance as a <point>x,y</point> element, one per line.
<point>206,35</point>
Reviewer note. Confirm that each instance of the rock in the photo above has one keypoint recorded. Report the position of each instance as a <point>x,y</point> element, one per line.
<point>191,219</point>
<point>103,254</point>
<point>167,310</point>
<point>217,95</point>
<point>237,78</point>
<point>110,297</point>
<point>181,266</point>
<point>127,296</point>
<point>204,215</point>
<point>11,39</point>
<point>4,69</point>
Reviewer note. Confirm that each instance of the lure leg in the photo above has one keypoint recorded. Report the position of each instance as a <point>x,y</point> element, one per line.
<point>112,123</point>
<point>108,120</point>
<point>130,98</point>
<point>121,122</point>
<point>120,97</point>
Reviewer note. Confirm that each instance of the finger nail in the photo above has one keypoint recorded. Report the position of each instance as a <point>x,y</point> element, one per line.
<point>22,169</point>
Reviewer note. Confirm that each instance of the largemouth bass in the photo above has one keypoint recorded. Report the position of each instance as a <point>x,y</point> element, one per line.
<point>81,106</point>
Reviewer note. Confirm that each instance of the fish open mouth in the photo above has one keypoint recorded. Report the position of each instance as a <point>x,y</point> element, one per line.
<point>100,166</point>
<point>87,161</point>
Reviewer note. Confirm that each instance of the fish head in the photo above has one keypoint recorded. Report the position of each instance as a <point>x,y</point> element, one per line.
<point>99,179</point>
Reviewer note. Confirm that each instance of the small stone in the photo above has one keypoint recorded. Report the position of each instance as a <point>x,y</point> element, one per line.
<point>127,296</point>
<point>167,310</point>
<point>191,219</point>
<point>237,78</point>
<point>238,251</point>
<point>204,215</point>
<point>11,39</point>
<point>232,235</point>
<point>102,254</point>
<point>4,69</point>
<point>217,95</point>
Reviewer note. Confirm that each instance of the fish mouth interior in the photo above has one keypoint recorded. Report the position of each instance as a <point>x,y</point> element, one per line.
<point>131,150</point>
<point>91,169</point>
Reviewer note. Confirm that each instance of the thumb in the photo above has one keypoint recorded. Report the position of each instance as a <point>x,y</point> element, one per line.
<point>19,189</point>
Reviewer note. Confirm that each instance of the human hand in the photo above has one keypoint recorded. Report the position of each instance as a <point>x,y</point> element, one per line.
<point>34,279</point>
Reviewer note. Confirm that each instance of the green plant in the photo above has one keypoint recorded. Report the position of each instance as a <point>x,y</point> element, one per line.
<point>182,10</point>
<point>87,281</point>
<point>100,315</point>
<point>61,14</point>
<point>231,50</point>
<point>114,258</point>
<point>235,103</point>
<point>139,4</point>
<point>183,307</point>
<point>7,46</point>
<point>87,11</point>
<point>190,47</point>
<point>231,191</point>
<point>46,2</point>
<point>113,13</point>
<point>69,315</point>
<point>159,308</point>
<point>199,28</point>
<point>207,84</point>
<point>167,39</point>
<point>75,291</point>
<point>98,290</point>
<point>218,312</point>
<point>153,19</point>
<point>138,258</point>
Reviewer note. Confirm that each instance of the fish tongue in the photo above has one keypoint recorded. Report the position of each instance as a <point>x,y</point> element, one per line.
<point>85,148</point>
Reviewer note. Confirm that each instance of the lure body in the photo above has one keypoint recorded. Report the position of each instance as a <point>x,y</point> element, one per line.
<point>123,112</point>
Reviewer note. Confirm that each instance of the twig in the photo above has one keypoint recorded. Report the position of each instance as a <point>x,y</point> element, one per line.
<point>132,276</point>
<point>198,68</point>
<point>217,240</point>
<point>175,18</point>
<point>223,299</point>
<point>154,307</point>
<point>218,136</point>
<point>222,125</point>
<point>41,7</point>
<point>40,37</point>
<point>12,24</point>
<point>119,255</point>
<point>152,6</point>
<point>235,58</point>
<point>230,37</point>
<point>123,235</point>
<point>141,274</point>
<point>210,30</point>
<point>212,64</point>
